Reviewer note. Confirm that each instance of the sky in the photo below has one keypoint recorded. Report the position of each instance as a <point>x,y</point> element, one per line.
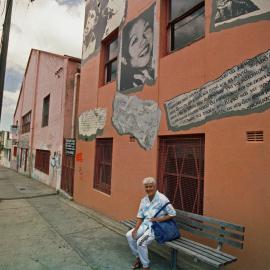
<point>50,25</point>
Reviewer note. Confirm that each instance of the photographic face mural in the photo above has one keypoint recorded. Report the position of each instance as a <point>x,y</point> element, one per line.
<point>101,18</point>
<point>138,53</point>
<point>229,13</point>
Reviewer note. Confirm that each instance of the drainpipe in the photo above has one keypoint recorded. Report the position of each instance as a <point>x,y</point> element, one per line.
<point>33,117</point>
<point>77,75</point>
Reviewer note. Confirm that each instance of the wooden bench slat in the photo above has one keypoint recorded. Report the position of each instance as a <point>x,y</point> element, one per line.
<point>223,256</point>
<point>218,239</point>
<point>188,244</point>
<point>131,224</point>
<point>223,223</point>
<point>195,254</point>
<point>209,228</point>
<point>202,252</point>
<point>210,248</point>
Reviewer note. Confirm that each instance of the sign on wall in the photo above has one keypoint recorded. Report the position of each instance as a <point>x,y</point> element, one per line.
<point>230,13</point>
<point>137,65</point>
<point>242,89</point>
<point>70,147</point>
<point>136,117</point>
<point>91,123</point>
<point>101,18</point>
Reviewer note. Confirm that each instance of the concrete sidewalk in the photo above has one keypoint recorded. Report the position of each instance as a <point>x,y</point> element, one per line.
<point>50,232</point>
<point>16,186</point>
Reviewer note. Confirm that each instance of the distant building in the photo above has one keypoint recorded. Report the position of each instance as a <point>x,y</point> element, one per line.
<point>44,118</point>
<point>178,90</point>
<point>5,148</point>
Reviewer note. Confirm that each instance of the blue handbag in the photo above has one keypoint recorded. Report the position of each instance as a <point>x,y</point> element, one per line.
<point>165,231</point>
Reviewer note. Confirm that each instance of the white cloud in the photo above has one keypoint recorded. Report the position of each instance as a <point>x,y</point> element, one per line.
<point>46,25</point>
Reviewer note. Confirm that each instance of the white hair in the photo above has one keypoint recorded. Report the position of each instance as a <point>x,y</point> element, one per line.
<point>149,180</point>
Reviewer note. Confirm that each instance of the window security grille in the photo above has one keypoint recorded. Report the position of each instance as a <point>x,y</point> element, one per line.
<point>42,161</point>
<point>181,171</point>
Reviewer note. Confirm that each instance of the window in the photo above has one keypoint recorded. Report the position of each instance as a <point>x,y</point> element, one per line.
<point>181,171</point>
<point>45,112</point>
<point>26,122</point>
<point>42,161</point>
<point>111,51</point>
<point>103,165</point>
<point>186,22</point>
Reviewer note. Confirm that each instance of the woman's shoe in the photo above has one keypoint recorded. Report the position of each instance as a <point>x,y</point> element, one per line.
<point>137,264</point>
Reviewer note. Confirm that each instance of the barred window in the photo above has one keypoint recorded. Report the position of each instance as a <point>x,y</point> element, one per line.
<point>42,161</point>
<point>181,171</point>
<point>186,22</point>
<point>26,122</point>
<point>103,165</point>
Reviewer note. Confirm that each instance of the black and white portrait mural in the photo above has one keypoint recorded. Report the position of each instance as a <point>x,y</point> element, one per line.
<point>229,13</point>
<point>101,18</point>
<point>241,90</point>
<point>137,64</point>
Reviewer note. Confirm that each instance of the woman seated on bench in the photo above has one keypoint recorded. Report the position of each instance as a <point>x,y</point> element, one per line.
<point>142,235</point>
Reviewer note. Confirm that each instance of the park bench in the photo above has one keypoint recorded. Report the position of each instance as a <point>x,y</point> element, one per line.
<point>222,232</point>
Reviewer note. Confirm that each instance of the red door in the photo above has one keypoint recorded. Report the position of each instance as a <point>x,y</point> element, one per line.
<point>67,178</point>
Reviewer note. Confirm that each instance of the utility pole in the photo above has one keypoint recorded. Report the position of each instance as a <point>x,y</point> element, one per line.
<point>4,49</point>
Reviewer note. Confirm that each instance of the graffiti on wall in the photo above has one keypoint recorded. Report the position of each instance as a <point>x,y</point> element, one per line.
<point>139,118</point>
<point>101,18</point>
<point>56,160</point>
<point>91,123</point>
<point>229,13</point>
<point>137,64</point>
<point>242,89</point>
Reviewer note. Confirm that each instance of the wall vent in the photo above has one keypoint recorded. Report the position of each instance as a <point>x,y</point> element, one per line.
<point>255,136</point>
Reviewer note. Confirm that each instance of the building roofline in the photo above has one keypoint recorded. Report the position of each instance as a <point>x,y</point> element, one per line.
<point>71,58</point>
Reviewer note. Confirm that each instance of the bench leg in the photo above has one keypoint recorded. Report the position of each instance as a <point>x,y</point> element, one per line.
<point>173,258</point>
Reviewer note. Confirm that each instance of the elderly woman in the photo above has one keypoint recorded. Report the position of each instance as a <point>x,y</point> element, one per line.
<point>142,235</point>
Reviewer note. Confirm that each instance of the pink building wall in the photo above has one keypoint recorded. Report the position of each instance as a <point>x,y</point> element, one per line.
<point>47,74</point>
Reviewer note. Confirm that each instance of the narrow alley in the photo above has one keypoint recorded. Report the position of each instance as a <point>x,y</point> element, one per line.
<point>42,230</point>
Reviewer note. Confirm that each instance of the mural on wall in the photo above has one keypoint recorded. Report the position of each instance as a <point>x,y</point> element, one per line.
<point>139,118</point>
<point>137,64</point>
<point>229,13</point>
<point>242,89</point>
<point>101,18</point>
<point>91,123</point>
